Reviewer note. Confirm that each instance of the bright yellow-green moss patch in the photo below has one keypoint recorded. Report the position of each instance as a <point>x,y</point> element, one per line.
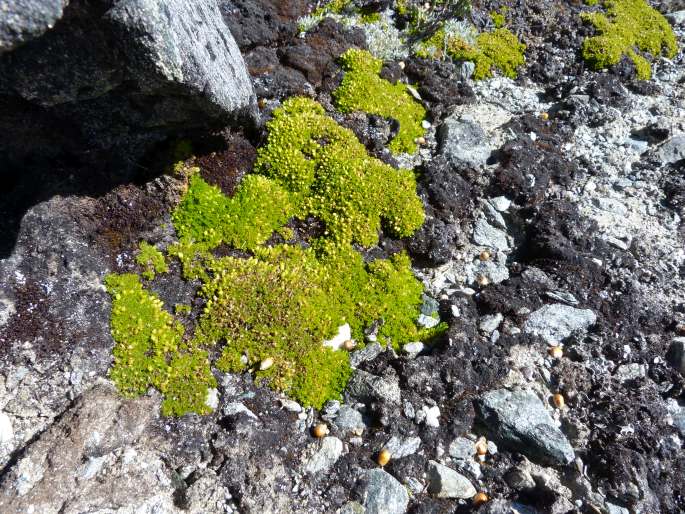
<point>244,221</point>
<point>332,177</point>
<point>499,49</point>
<point>150,351</point>
<point>362,89</point>
<point>284,301</point>
<point>151,260</point>
<point>499,18</point>
<point>292,299</point>
<point>628,26</point>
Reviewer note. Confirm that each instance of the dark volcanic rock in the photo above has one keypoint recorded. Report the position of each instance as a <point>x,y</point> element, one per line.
<point>116,76</point>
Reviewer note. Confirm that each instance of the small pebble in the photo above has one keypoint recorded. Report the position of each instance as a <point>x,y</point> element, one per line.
<point>349,345</point>
<point>558,400</point>
<point>480,498</point>
<point>384,457</point>
<point>555,352</point>
<point>320,430</point>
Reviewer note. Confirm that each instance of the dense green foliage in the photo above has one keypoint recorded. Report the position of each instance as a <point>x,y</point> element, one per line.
<point>151,260</point>
<point>150,351</point>
<point>628,27</point>
<point>284,301</point>
<point>499,49</point>
<point>292,299</point>
<point>362,89</point>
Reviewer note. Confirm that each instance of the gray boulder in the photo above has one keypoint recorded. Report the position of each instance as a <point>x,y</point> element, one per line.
<point>366,388</point>
<point>676,354</point>
<point>447,483</point>
<point>672,150</point>
<point>117,76</point>
<point>518,419</point>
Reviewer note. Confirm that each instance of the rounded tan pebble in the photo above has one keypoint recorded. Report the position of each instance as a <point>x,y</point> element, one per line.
<point>555,352</point>
<point>558,400</point>
<point>384,457</point>
<point>480,498</point>
<point>320,430</point>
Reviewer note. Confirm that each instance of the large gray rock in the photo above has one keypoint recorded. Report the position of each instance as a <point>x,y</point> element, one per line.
<point>463,142</point>
<point>119,75</point>
<point>676,354</point>
<point>64,470</point>
<point>23,20</point>
<point>328,454</point>
<point>555,322</point>
<point>518,419</point>
<point>383,494</point>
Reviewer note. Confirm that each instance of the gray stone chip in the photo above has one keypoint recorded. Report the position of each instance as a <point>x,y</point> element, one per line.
<point>555,322</point>
<point>519,420</point>
<point>463,142</point>
<point>444,482</point>
<point>383,494</point>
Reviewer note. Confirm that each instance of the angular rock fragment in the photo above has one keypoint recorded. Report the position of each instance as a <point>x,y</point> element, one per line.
<point>555,322</point>
<point>519,420</point>
<point>383,494</point>
<point>447,483</point>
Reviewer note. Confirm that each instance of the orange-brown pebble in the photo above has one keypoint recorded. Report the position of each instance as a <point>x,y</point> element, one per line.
<point>482,446</point>
<point>558,400</point>
<point>544,116</point>
<point>349,345</point>
<point>384,457</point>
<point>320,430</point>
<point>480,498</point>
<point>485,255</point>
<point>483,280</point>
<point>555,352</point>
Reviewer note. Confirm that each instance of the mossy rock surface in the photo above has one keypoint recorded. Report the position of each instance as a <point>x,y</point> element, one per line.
<point>281,303</point>
<point>629,28</point>
<point>498,50</point>
<point>362,89</point>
